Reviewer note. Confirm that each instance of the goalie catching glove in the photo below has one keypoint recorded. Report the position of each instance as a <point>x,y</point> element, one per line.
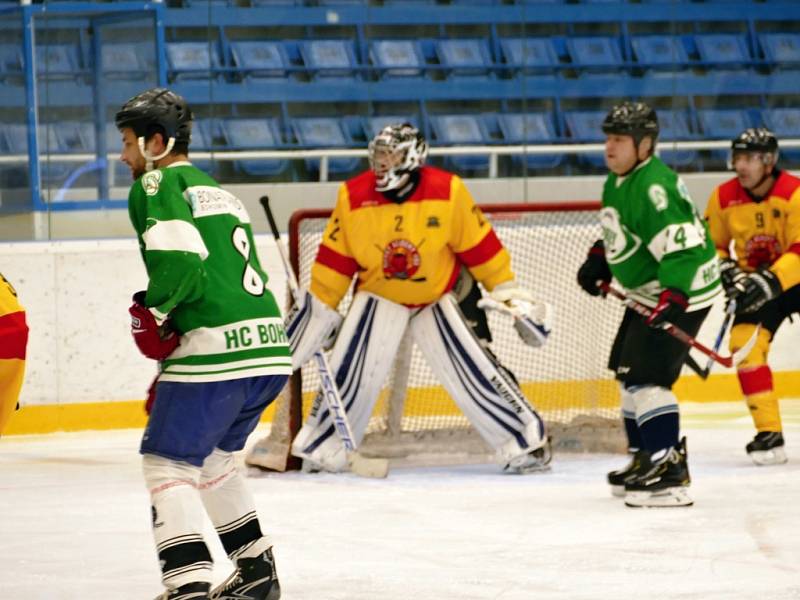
<point>532,319</point>
<point>311,325</point>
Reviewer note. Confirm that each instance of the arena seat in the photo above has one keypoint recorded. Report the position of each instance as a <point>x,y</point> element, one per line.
<point>459,130</point>
<point>329,58</point>
<point>192,60</point>
<point>784,122</point>
<point>254,134</point>
<point>324,132</point>
<point>674,125</point>
<point>57,61</point>
<point>397,58</point>
<point>529,55</point>
<point>464,57</point>
<point>586,126</point>
<point>722,124</point>
<point>260,60</point>
<point>595,53</point>
<point>782,49</point>
<point>372,125</point>
<point>530,128</point>
<point>723,50</point>
<point>122,61</point>
<point>660,51</point>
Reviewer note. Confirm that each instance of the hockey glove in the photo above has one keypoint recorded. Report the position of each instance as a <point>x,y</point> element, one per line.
<point>311,325</point>
<point>533,320</point>
<point>672,304</point>
<point>153,340</point>
<point>756,289</point>
<point>594,268</point>
<point>730,274</point>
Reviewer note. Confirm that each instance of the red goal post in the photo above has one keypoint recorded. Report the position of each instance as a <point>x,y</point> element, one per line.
<point>567,380</point>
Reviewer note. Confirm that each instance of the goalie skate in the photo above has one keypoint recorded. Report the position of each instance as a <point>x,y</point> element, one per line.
<point>535,461</point>
<point>767,448</point>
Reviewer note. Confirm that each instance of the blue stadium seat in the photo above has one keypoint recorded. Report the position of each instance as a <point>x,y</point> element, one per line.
<point>586,126</point>
<point>397,58</point>
<point>324,132</point>
<point>464,57</point>
<point>784,122</point>
<point>372,125</point>
<point>260,60</point>
<point>120,173</point>
<point>192,60</point>
<point>674,125</point>
<point>329,58</point>
<point>722,49</point>
<point>594,53</point>
<point>271,3</point>
<point>783,49</point>
<point>530,128</point>
<point>10,61</point>
<point>122,61</point>
<point>57,61</point>
<point>722,124</point>
<point>254,134</point>
<point>529,54</point>
<point>461,130</point>
<point>655,51</point>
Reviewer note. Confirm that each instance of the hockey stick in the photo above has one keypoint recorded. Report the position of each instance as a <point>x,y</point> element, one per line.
<point>730,311</point>
<point>360,465</point>
<point>679,334</point>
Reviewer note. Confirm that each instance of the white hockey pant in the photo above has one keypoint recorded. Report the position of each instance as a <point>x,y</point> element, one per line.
<point>492,402</point>
<point>180,493</point>
<point>361,360</point>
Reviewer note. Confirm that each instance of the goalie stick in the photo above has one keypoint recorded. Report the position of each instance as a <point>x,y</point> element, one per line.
<point>678,333</point>
<point>360,465</point>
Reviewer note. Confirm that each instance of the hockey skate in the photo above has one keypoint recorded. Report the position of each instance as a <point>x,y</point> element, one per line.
<point>534,461</point>
<point>253,579</point>
<point>191,591</point>
<point>639,465</point>
<point>664,484</point>
<point>767,448</point>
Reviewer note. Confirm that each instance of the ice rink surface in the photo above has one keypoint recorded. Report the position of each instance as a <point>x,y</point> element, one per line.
<point>74,524</point>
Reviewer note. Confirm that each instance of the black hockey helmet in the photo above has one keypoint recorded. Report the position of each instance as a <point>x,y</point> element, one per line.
<point>157,110</point>
<point>755,139</point>
<point>636,119</point>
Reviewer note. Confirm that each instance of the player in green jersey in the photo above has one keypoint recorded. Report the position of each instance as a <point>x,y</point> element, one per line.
<point>209,319</point>
<point>656,245</point>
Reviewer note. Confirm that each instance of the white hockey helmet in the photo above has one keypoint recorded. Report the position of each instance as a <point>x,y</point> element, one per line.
<point>394,153</point>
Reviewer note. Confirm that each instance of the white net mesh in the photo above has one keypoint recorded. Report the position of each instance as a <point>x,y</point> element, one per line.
<point>566,380</point>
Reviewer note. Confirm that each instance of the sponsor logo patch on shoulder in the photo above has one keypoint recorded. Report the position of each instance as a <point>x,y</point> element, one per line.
<point>150,182</point>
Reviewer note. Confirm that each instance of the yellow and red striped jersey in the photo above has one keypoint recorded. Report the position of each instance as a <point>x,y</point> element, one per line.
<point>13,341</point>
<point>408,252</point>
<point>765,233</point>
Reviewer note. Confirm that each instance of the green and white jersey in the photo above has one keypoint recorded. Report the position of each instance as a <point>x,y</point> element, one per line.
<point>654,237</point>
<point>198,249</point>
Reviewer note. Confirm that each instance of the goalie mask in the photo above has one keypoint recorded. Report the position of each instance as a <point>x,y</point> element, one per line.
<point>157,110</point>
<point>755,140</point>
<point>395,153</point>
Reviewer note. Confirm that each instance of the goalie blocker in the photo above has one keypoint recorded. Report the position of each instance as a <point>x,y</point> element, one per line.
<point>362,358</point>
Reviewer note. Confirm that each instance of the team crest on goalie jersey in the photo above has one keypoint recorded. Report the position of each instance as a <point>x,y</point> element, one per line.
<point>401,260</point>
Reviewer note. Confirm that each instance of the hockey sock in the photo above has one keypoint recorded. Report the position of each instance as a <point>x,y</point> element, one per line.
<point>657,417</point>
<point>177,521</point>
<point>231,508</point>
<point>629,420</point>
<point>756,383</point>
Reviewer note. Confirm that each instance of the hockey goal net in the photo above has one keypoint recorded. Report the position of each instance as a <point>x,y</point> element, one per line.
<point>566,380</point>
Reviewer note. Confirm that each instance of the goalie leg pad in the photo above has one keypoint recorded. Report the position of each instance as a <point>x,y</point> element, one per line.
<point>492,402</point>
<point>178,520</point>
<point>361,360</point>
<point>310,325</point>
<point>230,506</point>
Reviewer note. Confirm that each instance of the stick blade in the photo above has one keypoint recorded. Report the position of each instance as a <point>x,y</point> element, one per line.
<point>742,352</point>
<point>376,468</point>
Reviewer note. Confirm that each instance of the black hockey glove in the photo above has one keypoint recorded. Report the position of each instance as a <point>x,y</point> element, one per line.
<point>756,289</point>
<point>672,304</point>
<point>594,268</point>
<point>731,274</point>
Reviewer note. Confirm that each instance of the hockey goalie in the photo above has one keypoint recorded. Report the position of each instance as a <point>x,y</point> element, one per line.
<point>412,236</point>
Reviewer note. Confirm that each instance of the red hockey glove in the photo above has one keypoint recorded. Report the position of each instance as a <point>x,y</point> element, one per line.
<point>153,341</point>
<point>671,304</point>
<point>151,396</point>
